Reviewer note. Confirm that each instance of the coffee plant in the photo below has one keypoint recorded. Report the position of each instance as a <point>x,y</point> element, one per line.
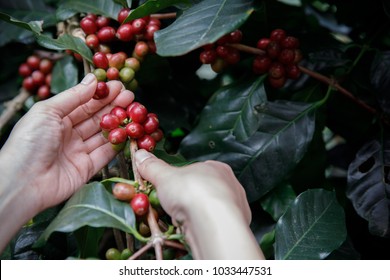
<point>292,94</point>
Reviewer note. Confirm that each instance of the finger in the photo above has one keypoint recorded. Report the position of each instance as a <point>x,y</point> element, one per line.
<point>151,168</point>
<point>94,142</point>
<point>88,109</point>
<point>68,100</point>
<point>90,126</point>
<point>101,156</point>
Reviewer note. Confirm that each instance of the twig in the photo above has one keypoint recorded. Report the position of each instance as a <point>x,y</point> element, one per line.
<point>164,16</point>
<point>175,245</point>
<point>13,106</point>
<point>118,239</point>
<point>137,176</point>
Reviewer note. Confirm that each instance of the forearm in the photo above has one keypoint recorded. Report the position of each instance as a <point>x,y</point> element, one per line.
<point>220,232</point>
<point>16,205</point>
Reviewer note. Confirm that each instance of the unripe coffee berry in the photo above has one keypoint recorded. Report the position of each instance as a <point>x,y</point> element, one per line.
<point>126,74</point>
<point>123,191</point>
<point>133,63</point>
<point>100,74</point>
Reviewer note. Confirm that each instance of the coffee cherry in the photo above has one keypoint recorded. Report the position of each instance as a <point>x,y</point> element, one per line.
<point>113,254</point>
<point>125,32</point>
<point>43,92</point>
<point>120,113</point>
<point>106,34</point>
<point>138,25</point>
<point>277,35</point>
<point>277,83</point>
<point>286,56</point>
<point>140,204</point>
<point>235,36</point>
<point>28,84</point>
<point>153,199</point>
<point>109,122</point>
<point>112,73</point>
<point>223,40</point>
<point>38,77</point>
<point>123,14</point>
<point>48,79</point>
<point>233,56</point>
<point>261,64</point>
<point>133,63</point>
<point>137,112</point>
<point>144,229</point>
<point>117,136</point>
<point>208,56</point>
<point>218,65</point>
<point>141,49</point>
<point>151,123</point>
<point>88,25</point>
<point>102,21</point>
<point>104,49</point>
<point>135,130</point>
<point>146,142</point>
<point>24,70</point>
<point>45,66</point>
<point>262,44</point>
<point>290,42</point>
<point>150,30</point>
<point>133,85</point>
<point>126,74</point>
<point>157,135</point>
<point>126,254</point>
<point>123,191</point>
<point>102,90</point>
<point>117,60</point>
<point>100,60</point>
<point>298,56</point>
<point>154,21</point>
<point>91,16</point>
<point>33,62</point>
<point>293,72</point>
<point>92,41</point>
<point>277,70</point>
<point>273,49</point>
<point>100,74</point>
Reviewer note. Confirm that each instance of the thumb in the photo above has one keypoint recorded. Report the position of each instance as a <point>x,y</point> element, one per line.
<point>150,167</point>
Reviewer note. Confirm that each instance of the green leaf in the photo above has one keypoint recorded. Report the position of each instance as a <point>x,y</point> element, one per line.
<point>269,143</point>
<point>152,6</point>
<point>124,3</point>
<point>119,180</point>
<point>277,202</point>
<point>203,23</point>
<point>33,26</point>
<point>296,3</point>
<point>88,239</point>
<point>66,42</point>
<point>266,244</point>
<point>368,185</point>
<point>100,7</point>
<point>311,228</point>
<point>92,205</point>
<point>64,75</point>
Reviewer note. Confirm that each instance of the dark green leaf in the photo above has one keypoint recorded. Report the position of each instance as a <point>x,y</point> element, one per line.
<point>64,75</point>
<point>380,79</point>
<point>152,6</point>
<point>124,3</point>
<point>277,201</point>
<point>264,148</point>
<point>88,239</point>
<point>66,42</point>
<point>24,5</point>
<point>100,7</point>
<point>267,244</point>
<point>92,205</point>
<point>201,24</point>
<point>311,228</point>
<point>297,3</point>
<point>33,26</point>
<point>368,185</point>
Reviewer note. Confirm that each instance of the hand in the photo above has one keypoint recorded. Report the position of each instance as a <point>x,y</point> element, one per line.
<point>209,203</point>
<point>56,148</point>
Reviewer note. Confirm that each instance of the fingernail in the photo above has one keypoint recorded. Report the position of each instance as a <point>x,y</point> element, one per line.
<point>141,155</point>
<point>89,78</point>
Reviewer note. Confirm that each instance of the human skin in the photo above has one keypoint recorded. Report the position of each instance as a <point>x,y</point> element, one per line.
<point>209,204</point>
<point>53,151</point>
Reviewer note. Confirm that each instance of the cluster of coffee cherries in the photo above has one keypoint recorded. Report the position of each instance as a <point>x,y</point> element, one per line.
<point>280,58</point>
<point>102,33</point>
<point>221,54</point>
<point>36,73</point>
<point>133,122</point>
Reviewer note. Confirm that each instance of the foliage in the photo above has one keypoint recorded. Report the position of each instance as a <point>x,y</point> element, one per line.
<point>312,156</point>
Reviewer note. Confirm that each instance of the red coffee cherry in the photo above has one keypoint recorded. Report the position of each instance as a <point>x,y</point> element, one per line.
<point>38,77</point>
<point>133,63</point>
<point>123,14</point>
<point>135,130</point>
<point>293,72</point>
<point>290,42</point>
<point>24,70</point>
<point>235,36</point>
<point>102,21</point>
<point>117,136</point>
<point>88,25</point>
<point>277,70</point>
<point>33,62</point>
<point>106,34</point>
<point>153,21</point>
<point>138,25</point>
<point>273,49</point>
<point>109,122</point>
<point>146,142</point>
<point>117,60</point>
<point>262,44</point>
<point>140,204</point>
<point>277,35</point>
<point>45,66</point>
<point>151,123</point>
<point>233,56</point>
<point>92,41</point>
<point>158,135</point>
<point>141,49</point>
<point>125,32</point>
<point>102,91</point>
<point>48,79</point>
<point>208,56</point>
<point>123,191</point>
<point>137,112</point>
<point>261,64</point>
<point>149,31</point>
<point>100,60</point>
<point>28,84</point>
<point>277,83</point>
<point>286,56</point>
<point>120,113</point>
<point>43,92</point>
<point>112,73</point>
